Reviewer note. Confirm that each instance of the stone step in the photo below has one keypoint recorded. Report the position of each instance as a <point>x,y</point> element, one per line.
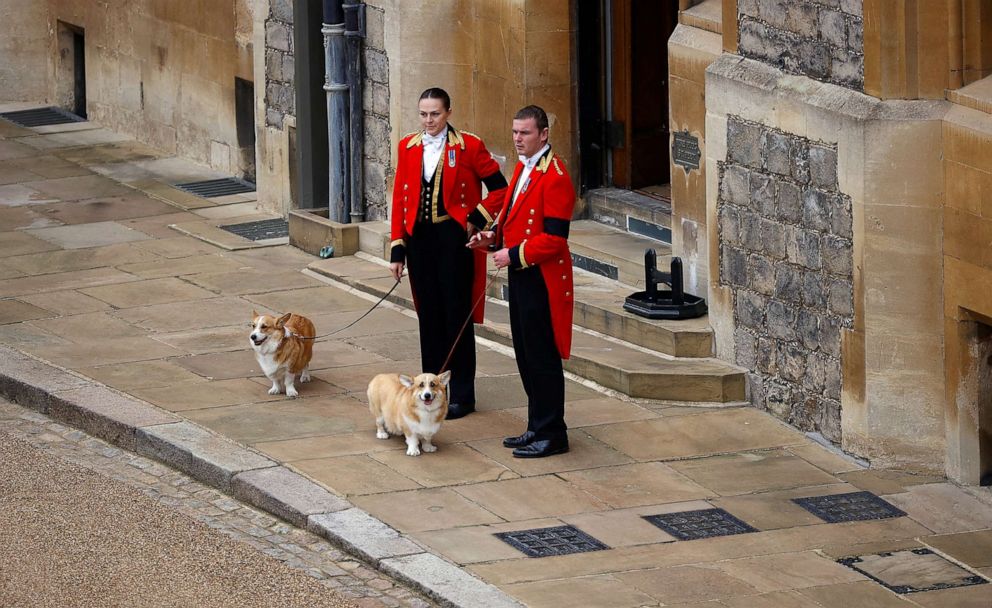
<point>612,364</point>
<point>613,253</point>
<point>599,299</point>
<point>630,211</point>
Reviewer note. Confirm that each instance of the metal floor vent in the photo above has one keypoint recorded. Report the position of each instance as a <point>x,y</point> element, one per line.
<point>41,117</point>
<point>704,523</point>
<point>545,542</point>
<point>260,230</point>
<point>854,506</point>
<point>217,187</point>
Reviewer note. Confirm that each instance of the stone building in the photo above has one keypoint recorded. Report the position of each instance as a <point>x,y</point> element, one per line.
<point>822,167</point>
<point>840,217</point>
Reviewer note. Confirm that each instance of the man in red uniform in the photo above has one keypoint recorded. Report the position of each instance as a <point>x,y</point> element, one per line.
<point>437,206</point>
<point>532,240</point>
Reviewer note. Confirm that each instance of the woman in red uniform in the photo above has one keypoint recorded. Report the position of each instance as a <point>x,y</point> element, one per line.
<point>437,206</point>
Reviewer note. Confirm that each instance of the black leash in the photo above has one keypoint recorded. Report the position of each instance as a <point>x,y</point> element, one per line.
<point>458,338</point>
<point>367,312</point>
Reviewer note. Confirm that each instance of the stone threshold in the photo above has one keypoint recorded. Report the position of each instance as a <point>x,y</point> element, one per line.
<point>230,467</point>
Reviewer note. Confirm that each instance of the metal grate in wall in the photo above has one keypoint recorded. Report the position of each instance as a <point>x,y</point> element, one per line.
<point>217,187</point>
<point>40,117</point>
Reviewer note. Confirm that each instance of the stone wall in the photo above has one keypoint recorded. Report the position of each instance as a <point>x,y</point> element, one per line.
<point>280,92</point>
<point>822,39</point>
<point>25,48</point>
<point>378,169</point>
<point>786,251</point>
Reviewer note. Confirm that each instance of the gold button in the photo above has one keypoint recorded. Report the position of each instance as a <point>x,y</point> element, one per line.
<point>530,221</point>
<point>464,206</point>
<point>561,261</point>
<point>463,195</point>
<point>404,197</point>
<point>463,184</point>
<point>568,293</point>
<point>404,210</point>
<point>527,231</point>
<point>405,186</point>
<point>532,212</point>
<point>563,277</point>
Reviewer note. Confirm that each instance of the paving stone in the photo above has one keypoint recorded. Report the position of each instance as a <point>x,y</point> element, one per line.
<point>912,571</point>
<point>357,532</point>
<point>445,582</point>
<point>31,382</point>
<point>285,493</point>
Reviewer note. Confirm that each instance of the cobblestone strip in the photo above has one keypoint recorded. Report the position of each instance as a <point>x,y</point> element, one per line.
<point>294,547</point>
<point>132,424</point>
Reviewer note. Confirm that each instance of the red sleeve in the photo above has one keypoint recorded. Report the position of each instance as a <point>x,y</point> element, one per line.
<point>397,232</point>
<point>552,241</point>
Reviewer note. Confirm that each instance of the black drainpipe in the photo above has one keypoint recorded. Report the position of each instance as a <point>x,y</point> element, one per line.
<point>337,109</point>
<point>354,32</point>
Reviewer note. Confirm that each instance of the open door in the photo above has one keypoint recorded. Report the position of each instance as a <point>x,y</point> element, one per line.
<point>639,121</point>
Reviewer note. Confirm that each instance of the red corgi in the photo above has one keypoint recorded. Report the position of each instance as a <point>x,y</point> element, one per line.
<point>283,347</point>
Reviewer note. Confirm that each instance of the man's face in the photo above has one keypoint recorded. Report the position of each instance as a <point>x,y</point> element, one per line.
<point>433,116</point>
<point>527,138</point>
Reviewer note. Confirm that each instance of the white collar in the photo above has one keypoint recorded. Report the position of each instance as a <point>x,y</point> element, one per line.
<point>531,162</point>
<point>433,140</point>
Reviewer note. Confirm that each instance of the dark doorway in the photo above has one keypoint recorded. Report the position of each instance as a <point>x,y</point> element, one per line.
<point>623,91</point>
<point>244,118</point>
<point>70,81</point>
<point>79,72</point>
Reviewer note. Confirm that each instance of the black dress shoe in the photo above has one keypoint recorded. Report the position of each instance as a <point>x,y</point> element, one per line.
<point>542,448</point>
<point>519,441</point>
<point>458,410</point>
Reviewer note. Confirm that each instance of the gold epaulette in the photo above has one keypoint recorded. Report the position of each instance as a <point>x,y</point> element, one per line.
<point>415,140</point>
<point>455,138</point>
<point>558,168</point>
<point>545,162</point>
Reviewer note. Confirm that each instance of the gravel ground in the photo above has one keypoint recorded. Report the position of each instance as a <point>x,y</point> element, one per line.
<point>85,524</point>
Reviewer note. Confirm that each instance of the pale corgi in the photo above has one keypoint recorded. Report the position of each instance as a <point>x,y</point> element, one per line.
<point>283,347</point>
<point>412,407</point>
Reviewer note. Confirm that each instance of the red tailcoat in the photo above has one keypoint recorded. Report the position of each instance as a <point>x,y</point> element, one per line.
<point>536,233</point>
<point>467,165</point>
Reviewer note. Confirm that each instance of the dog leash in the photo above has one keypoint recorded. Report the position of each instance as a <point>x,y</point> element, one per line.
<point>367,312</point>
<point>458,338</point>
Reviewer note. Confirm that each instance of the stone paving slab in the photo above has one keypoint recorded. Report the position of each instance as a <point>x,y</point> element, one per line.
<point>285,494</point>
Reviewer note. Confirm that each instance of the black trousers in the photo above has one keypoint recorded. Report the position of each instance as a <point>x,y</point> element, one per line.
<point>441,272</point>
<point>537,355</point>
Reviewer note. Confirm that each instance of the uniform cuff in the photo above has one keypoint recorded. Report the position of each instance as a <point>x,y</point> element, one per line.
<point>477,219</point>
<point>517,257</point>
<point>397,253</point>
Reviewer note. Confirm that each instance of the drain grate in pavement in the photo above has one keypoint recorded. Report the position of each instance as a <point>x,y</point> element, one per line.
<point>912,570</point>
<point>855,506</point>
<point>545,542</point>
<point>41,117</point>
<point>260,230</point>
<point>217,187</point>
<point>704,523</point>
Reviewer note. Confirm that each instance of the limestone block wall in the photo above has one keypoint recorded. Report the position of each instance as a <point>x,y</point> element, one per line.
<point>891,332</point>
<point>378,166</point>
<point>785,233</point>
<point>822,39</point>
<point>24,51</point>
<point>967,290</point>
<point>162,73</point>
<point>690,51</point>
<point>279,90</point>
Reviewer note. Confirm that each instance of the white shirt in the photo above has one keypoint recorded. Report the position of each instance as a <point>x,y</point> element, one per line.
<point>529,164</point>
<point>433,147</point>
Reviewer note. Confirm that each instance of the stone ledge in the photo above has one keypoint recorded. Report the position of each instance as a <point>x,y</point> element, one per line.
<point>285,494</point>
<point>361,534</point>
<point>106,414</point>
<point>31,382</point>
<point>209,458</point>
<point>446,583</point>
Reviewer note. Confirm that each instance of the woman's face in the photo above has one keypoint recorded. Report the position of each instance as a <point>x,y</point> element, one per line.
<point>433,116</point>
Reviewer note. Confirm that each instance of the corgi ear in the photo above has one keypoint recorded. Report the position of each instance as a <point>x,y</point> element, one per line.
<point>406,381</point>
<point>445,377</point>
<point>281,321</point>
<point>254,314</point>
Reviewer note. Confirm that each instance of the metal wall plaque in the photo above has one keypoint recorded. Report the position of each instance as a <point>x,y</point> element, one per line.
<point>685,150</point>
